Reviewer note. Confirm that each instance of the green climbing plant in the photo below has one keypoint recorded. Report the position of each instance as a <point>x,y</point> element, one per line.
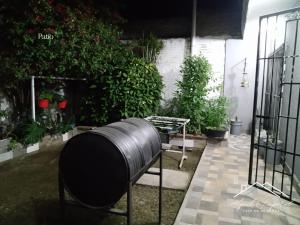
<point>192,91</point>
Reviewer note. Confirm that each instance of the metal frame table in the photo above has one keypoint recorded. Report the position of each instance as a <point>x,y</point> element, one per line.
<point>168,125</point>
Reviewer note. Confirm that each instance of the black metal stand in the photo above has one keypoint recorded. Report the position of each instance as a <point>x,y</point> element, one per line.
<point>128,212</point>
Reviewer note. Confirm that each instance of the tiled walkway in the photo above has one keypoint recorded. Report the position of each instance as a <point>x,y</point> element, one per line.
<point>221,173</point>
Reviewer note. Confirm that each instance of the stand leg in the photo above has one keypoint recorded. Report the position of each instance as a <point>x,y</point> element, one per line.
<point>160,187</point>
<point>129,204</point>
<point>61,198</point>
<point>183,157</point>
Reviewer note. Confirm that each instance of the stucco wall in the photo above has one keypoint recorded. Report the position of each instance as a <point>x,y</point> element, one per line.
<point>237,50</point>
<point>175,50</point>
<point>168,64</point>
<point>214,51</point>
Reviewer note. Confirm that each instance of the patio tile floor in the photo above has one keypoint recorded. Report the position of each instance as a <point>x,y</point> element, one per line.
<point>220,175</point>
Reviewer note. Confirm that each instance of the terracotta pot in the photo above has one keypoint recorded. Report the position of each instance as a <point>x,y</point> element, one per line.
<point>44,103</point>
<point>62,104</point>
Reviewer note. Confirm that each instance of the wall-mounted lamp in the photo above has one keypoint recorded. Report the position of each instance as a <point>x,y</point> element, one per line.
<point>245,80</point>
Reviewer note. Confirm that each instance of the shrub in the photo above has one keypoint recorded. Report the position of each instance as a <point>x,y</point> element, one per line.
<point>79,45</point>
<point>216,115</point>
<point>192,91</point>
<point>134,90</point>
<point>148,48</point>
<point>29,132</point>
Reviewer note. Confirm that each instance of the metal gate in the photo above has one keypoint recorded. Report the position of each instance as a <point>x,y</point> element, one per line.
<point>275,141</point>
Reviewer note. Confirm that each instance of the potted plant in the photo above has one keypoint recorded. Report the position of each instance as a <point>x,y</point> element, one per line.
<point>5,154</point>
<point>34,132</point>
<point>45,97</point>
<point>62,102</point>
<point>4,131</point>
<point>192,91</point>
<point>64,129</point>
<point>16,148</point>
<point>216,117</point>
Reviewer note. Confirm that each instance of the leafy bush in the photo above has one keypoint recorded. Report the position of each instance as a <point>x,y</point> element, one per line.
<point>192,91</point>
<point>216,115</point>
<point>134,90</point>
<point>13,144</point>
<point>79,45</point>
<point>28,132</point>
<point>148,48</point>
<point>46,94</point>
<point>65,127</point>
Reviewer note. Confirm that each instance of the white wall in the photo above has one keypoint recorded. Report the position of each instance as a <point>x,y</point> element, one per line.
<point>168,64</point>
<point>237,50</point>
<point>172,56</point>
<point>214,51</point>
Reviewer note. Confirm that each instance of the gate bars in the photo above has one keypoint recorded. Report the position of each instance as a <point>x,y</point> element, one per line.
<point>275,143</point>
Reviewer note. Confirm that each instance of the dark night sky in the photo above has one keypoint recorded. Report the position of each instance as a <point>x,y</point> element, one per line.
<point>137,9</point>
<point>172,18</point>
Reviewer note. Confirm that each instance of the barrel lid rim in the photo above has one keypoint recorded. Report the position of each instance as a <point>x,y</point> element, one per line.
<point>66,186</point>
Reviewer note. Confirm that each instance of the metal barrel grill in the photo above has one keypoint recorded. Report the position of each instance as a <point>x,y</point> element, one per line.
<point>99,166</point>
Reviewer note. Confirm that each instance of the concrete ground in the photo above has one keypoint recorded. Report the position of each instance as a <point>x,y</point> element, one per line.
<point>172,179</point>
<point>212,196</point>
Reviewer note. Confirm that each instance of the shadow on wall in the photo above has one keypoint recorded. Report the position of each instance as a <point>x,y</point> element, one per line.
<point>232,95</point>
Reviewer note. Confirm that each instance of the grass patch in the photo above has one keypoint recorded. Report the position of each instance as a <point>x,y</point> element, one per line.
<point>29,193</point>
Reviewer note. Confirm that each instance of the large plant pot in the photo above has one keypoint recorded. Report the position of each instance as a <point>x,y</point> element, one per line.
<point>4,145</point>
<point>33,148</point>
<point>66,136</point>
<point>6,156</point>
<point>235,127</point>
<point>215,133</point>
<point>43,103</point>
<point>18,152</point>
<point>62,104</point>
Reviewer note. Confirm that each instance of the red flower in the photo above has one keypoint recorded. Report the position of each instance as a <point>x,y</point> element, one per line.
<point>39,19</point>
<point>50,2</point>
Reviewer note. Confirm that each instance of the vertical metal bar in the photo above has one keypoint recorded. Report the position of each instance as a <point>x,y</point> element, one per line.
<point>295,147</point>
<point>61,191</point>
<point>262,99</point>
<point>129,203</point>
<point>254,107</point>
<point>160,186</point>
<point>289,106</point>
<point>270,103</point>
<point>297,120</point>
<point>279,107</point>
<point>33,98</point>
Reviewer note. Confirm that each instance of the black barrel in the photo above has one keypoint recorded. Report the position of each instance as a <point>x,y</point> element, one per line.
<point>96,166</point>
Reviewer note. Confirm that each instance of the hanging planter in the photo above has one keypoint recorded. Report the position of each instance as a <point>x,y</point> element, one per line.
<point>62,104</point>
<point>44,99</point>
<point>44,103</point>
